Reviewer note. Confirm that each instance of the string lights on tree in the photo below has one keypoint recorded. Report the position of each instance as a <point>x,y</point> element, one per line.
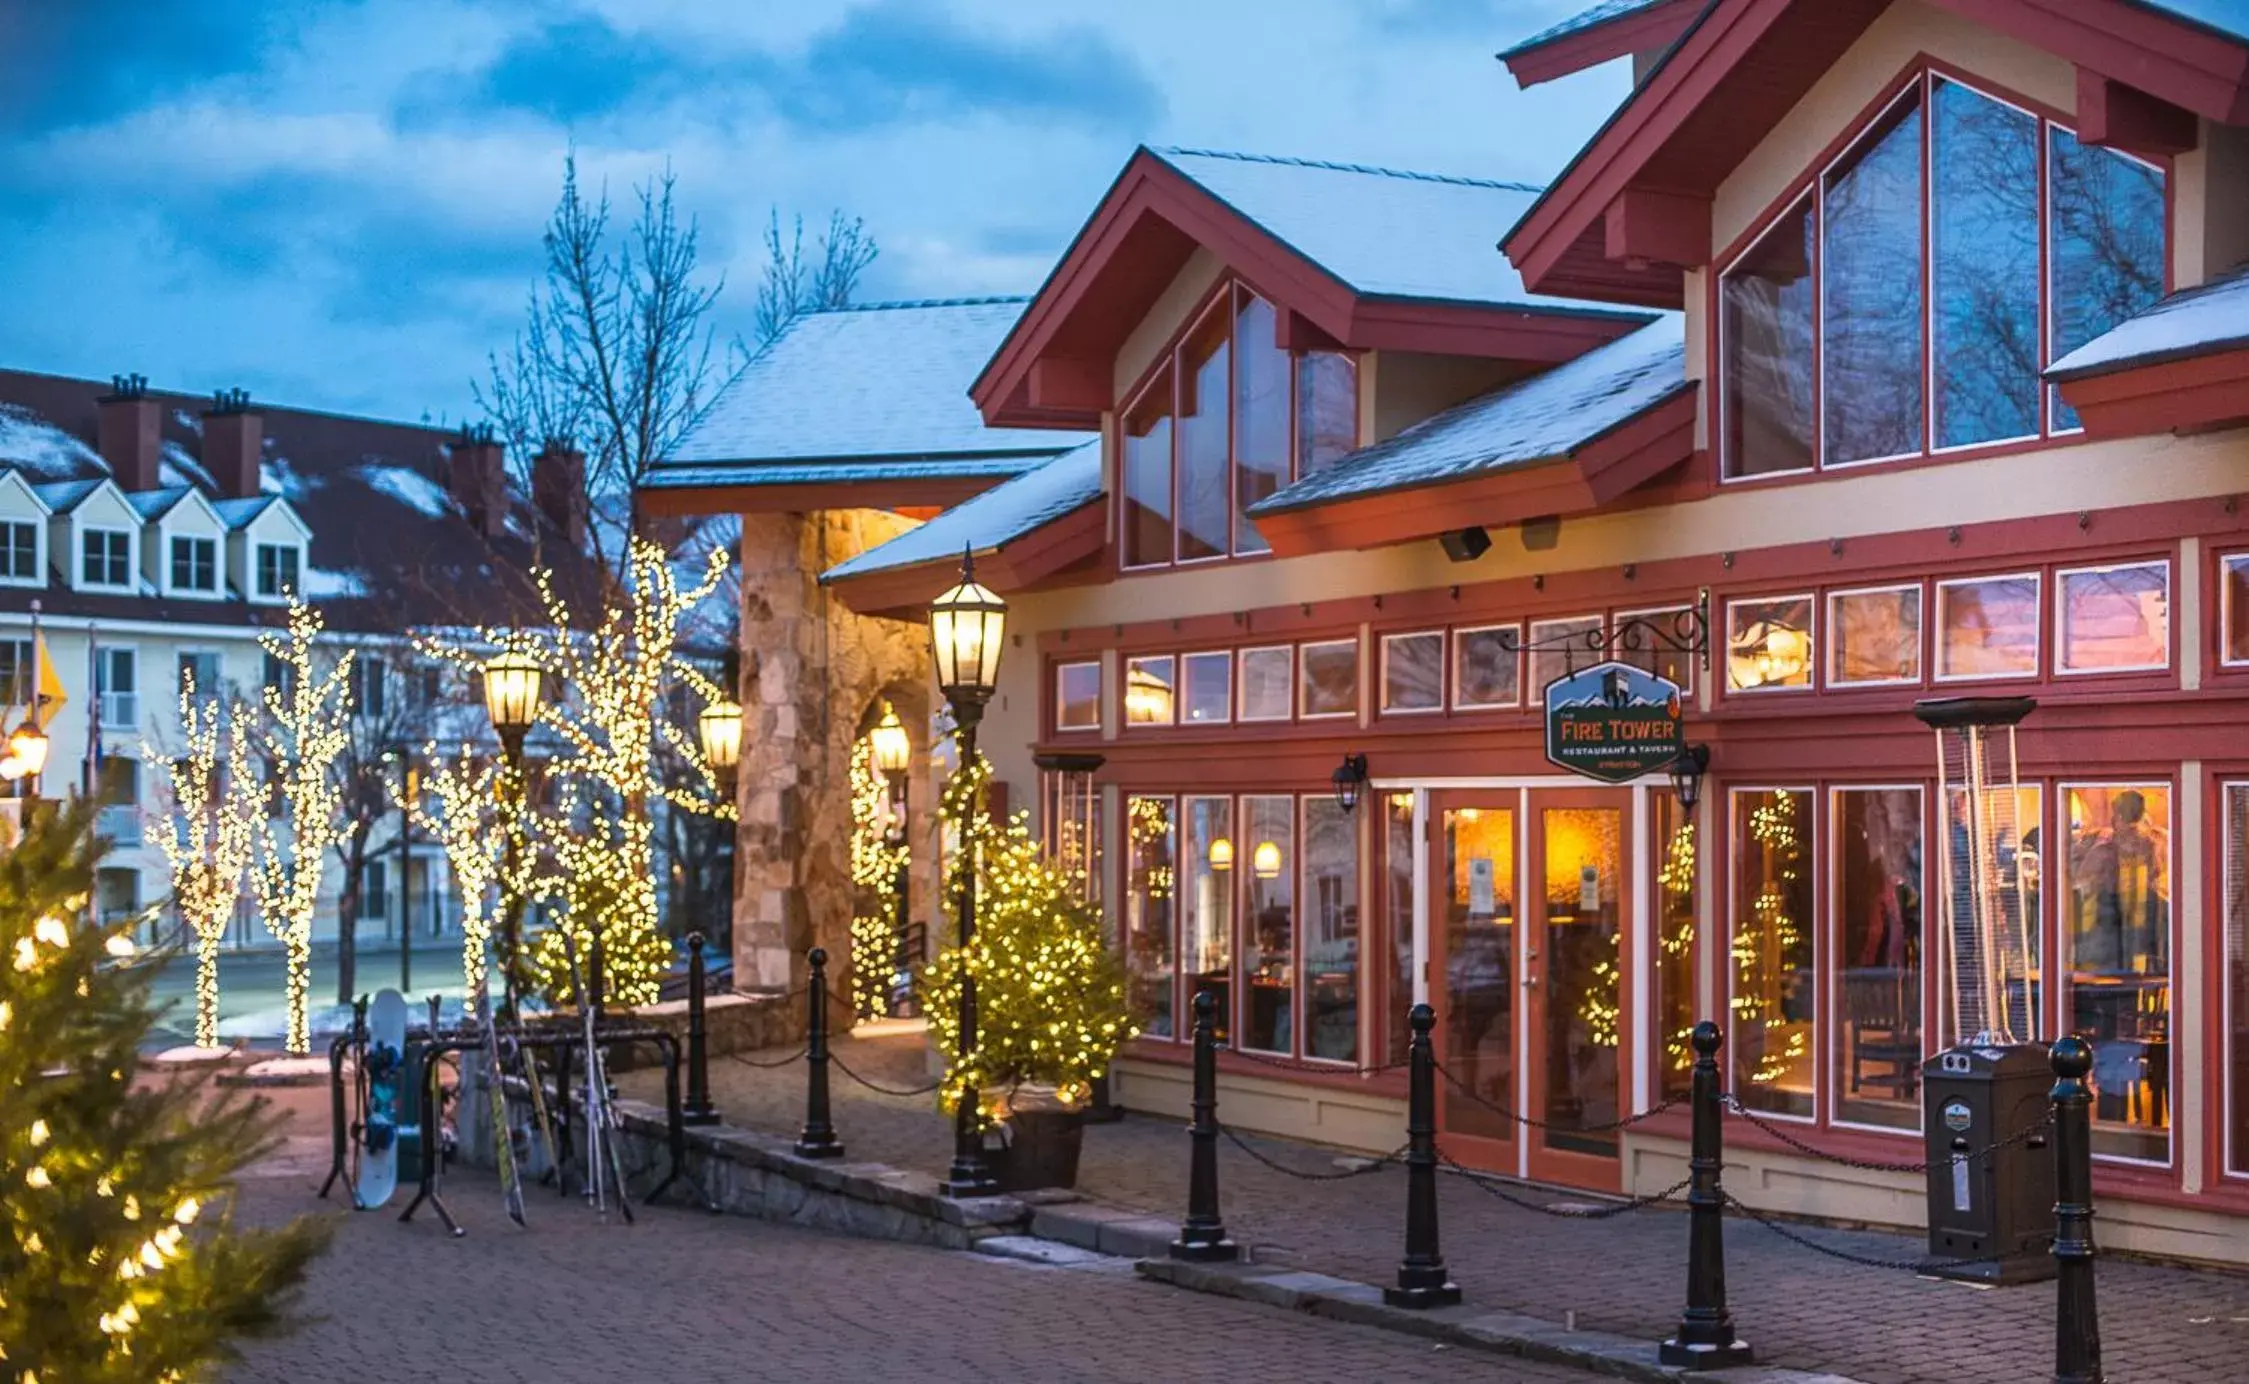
<point>212,818</point>
<point>467,826</point>
<point>305,730</point>
<point>877,855</point>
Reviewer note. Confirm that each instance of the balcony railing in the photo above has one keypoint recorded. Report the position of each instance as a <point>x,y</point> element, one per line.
<point>122,825</point>
<point>120,710</point>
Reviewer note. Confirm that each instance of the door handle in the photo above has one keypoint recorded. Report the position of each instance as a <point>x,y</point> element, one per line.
<point>1530,982</point>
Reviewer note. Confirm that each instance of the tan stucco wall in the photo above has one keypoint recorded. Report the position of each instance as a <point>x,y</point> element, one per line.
<point>1410,387</point>
<point>2211,229</point>
<point>1165,319</point>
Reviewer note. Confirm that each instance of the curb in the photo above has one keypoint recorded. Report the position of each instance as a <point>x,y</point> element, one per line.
<point>1475,1328</point>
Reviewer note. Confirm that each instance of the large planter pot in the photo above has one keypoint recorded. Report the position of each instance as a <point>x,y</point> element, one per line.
<point>1041,1149</point>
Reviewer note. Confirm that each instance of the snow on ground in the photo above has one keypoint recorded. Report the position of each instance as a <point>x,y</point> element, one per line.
<point>408,487</point>
<point>42,450</point>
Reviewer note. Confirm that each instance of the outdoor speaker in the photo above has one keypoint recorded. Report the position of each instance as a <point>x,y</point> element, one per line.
<point>1465,545</point>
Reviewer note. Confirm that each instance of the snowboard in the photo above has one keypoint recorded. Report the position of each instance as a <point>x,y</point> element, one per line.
<point>387,1075</point>
<point>496,1107</point>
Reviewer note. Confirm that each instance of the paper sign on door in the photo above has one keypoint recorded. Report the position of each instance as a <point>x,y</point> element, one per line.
<point>1481,903</point>
<point>1588,889</point>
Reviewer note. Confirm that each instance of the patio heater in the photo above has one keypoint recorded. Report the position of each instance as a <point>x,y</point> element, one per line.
<point>1987,952</point>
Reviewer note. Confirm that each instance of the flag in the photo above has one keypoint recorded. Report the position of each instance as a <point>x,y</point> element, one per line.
<point>50,697</point>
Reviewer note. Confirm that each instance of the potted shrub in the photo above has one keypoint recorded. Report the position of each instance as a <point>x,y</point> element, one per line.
<point>1050,995</point>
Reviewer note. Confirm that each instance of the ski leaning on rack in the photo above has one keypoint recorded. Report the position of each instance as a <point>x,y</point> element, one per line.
<point>602,1162</point>
<point>541,1125</point>
<point>496,1109</point>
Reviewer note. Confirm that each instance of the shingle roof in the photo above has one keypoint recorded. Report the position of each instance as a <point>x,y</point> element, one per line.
<point>993,519</point>
<point>61,497</point>
<point>1606,11</point>
<point>2192,322</point>
<point>155,504</point>
<point>884,382</point>
<point>1547,416</point>
<point>2230,17</point>
<point>237,514</point>
<point>1383,232</point>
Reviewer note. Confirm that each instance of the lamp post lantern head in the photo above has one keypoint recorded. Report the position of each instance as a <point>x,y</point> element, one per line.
<point>28,748</point>
<point>720,729</point>
<point>512,691</point>
<point>966,627</point>
<point>893,748</point>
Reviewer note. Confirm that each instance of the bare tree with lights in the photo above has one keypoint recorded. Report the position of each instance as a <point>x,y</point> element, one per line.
<point>467,826</point>
<point>213,809</point>
<point>305,731</point>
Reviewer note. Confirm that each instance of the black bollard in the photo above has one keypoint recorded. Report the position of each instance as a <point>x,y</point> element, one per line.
<point>1422,1278</point>
<point>1705,1339</point>
<point>818,1139</point>
<point>1202,1236</point>
<point>2077,1319</point>
<point>698,1110</point>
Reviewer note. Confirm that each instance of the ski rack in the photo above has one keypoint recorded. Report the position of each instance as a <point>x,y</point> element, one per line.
<point>341,1126</point>
<point>435,1045</point>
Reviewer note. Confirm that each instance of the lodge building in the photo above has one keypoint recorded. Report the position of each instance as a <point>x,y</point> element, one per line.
<point>1871,353</point>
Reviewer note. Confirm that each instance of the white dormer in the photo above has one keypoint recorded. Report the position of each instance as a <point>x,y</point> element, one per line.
<point>183,543</point>
<point>94,536</point>
<point>266,542</point>
<point>23,532</point>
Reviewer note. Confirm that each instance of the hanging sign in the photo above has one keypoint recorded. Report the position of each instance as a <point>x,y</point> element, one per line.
<point>1613,722</point>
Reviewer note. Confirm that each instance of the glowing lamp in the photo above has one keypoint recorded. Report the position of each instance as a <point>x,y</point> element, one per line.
<point>28,748</point>
<point>1265,861</point>
<point>720,728</point>
<point>893,749</point>
<point>1221,854</point>
<point>511,691</point>
<point>966,625</point>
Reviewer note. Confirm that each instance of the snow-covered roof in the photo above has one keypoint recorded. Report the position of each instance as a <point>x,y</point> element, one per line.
<point>993,519</point>
<point>1381,231</point>
<point>1592,17</point>
<point>237,514</point>
<point>2230,17</point>
<point>42,451</point>
<point>885,382</point>
<point>2192,322</point>
<point>1538,419</point>
<point>61,497</point>
<point>155,504</point>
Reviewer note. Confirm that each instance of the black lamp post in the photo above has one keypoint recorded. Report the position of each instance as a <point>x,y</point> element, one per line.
<point>512,689</point>
<point>1686,775</point>
<point>966,626</point>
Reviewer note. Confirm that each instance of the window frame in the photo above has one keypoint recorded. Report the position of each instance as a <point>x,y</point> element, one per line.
<point>1535,696</point>
<point>1382,673</point>
<point>1731,969</point>
<point>1724,636</point>
<point>1300,916</point>
<point>1920,76</point>
<point>282,590</point>
<point>2230,1075</point>
<point>1241,684</point>
<point>1358,678</point>
<point>1224,657</point>
<point>10,530</point>
<point>1062,670</point>
<point>1655,618</point>
<point>1829,1037</point>
<point>1936,627</point>
<point>117,543</point>
<point>1827,675</point>
<point>194,545</point>
<point>2062,575</point>
<point>1455,663</point>
<point>1171,684</point>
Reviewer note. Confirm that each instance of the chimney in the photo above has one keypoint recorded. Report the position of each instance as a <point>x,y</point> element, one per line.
<point>129,432</point>
<point>558,487</point>
<point>478,479</point>
<point>233,444</point>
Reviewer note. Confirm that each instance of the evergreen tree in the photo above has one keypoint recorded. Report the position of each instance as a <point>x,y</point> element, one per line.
<point>121,1263</point>
<point>1050,995</point>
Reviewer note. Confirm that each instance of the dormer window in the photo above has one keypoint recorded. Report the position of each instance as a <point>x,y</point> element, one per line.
<point>19,551</point>
<point>195,564</point>
<point>1904,303</point>
<point>277,571</point>
<point>105,558</point>
<point>1226,419</point>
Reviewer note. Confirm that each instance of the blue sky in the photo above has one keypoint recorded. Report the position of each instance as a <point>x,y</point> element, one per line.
<point>337,203</point>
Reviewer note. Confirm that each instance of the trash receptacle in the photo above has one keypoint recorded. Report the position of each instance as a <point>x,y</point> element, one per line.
<point>1985,1202</point>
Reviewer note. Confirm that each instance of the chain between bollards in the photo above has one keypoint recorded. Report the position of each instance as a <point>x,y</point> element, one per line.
<point>698,1110</point>
<point>1705,1339</point>
<point>1202,1236</point>
<point>2077,1323</point>
<point>818,1139</point>
<point>1423,1280</point>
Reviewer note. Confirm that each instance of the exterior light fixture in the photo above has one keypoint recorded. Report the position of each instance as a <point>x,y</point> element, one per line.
<point>1221,854</point>
<point>513,686</point>
<point>966,625</point>
<point>1686,775</point>
<point>1350,777</point>
<point>720,727</point>
<point>27,747</point>
<point>1265,861</point>
<point>512,690</point>
<point>893,748</point>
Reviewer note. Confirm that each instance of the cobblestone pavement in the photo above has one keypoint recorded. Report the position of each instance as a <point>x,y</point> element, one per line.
<point>1627,1275</point>
<point>683,1296</point>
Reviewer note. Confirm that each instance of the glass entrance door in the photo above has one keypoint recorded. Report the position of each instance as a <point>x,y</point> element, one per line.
<point>1472,872</point>
<point>1574,983</point>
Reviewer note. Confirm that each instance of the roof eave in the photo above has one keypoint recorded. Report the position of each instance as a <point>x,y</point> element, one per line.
<point>1061,543</point>
<point>1643,31</point>
<point>2173,393</point>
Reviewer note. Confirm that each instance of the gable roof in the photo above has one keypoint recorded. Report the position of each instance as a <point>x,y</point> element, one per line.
<point>61,497</point>
<point>868,396</point>
<point>237,514</point>
<point>1743,64</point>
<point>1352,256</point>
<point>155,504</point>
<point>1567,440</point>
<point>1607,30</point>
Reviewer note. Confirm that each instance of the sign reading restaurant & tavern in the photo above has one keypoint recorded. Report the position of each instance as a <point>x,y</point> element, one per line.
<point>1613,722</point>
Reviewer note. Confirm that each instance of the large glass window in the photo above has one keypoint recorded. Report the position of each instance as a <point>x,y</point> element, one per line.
<point>2116,951</point>
<point>1268,683</point>
<point>1149,698</point>
<point>1331,678</point>
<point>1769,644</point>
<point>1413,672</point>
<point>1206,921</point>
<point>2233,1052</point>
<point>1261,421</point>
<point>1987,627</point>
<point>1398,896</point>
<point>1331,930</point>
<point>1677,1006</point>
<point>1983,169</point>
<point>1995,851</point>
<point>1870,315</point>
<point>2233,609</point>
<point>1877,890</point>
<point>1077,696</point>
<point>1269,927</point>
<point>2113,619</point>
<point>1150,885</point>
<point>1765,304</point>
<point>19,551</point>
<point>1476,896</point>
<point>1327,409</point>
<point>1874,636</point>
<point>1903,303</point>
<point>1775,990</point>
<point>2108,245</point>
<point>1205,510</point>
<point>1147,475</point>
<point>1487,667</point>
<point>1208,688</point>
<point>1561,647</point>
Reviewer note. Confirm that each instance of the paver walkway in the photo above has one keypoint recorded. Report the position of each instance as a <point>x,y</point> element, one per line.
<point>1626,1275</point>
